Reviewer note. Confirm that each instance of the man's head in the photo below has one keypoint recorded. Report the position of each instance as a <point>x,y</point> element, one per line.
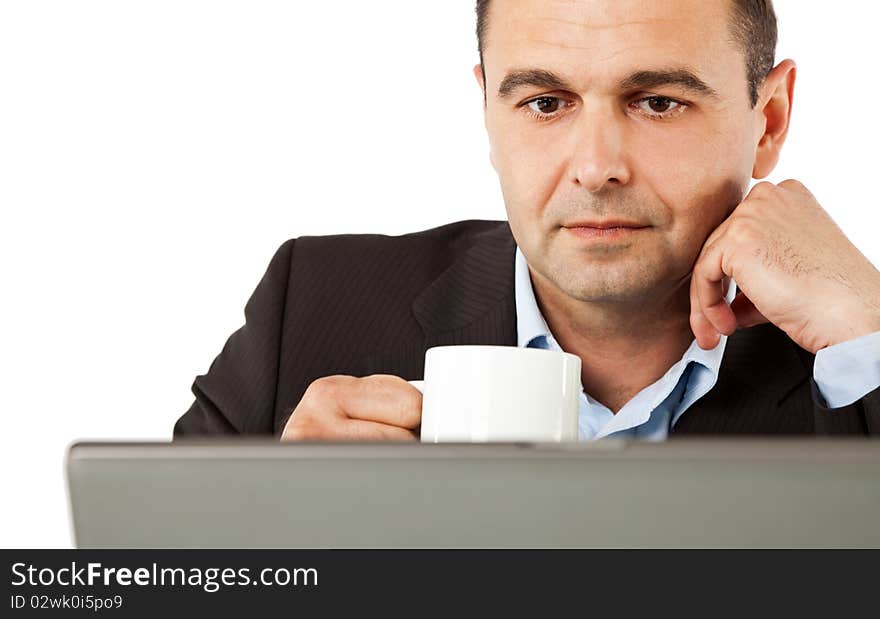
<point>657,113</point>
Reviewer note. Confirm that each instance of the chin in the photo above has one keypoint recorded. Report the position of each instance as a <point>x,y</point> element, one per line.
<point>606,294</point>
<point>612,288</point>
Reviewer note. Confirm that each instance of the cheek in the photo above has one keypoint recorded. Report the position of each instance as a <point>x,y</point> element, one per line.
<point>527,170</point>
<point>685,159</point>
<point>694,212</point>
<point>700,176</point>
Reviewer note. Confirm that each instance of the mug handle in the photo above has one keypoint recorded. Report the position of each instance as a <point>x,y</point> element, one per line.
<point>418,384</point>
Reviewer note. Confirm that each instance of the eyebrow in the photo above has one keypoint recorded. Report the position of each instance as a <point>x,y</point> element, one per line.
<point>685,78</point>
<point>542,78</point>
<point>539,78</point>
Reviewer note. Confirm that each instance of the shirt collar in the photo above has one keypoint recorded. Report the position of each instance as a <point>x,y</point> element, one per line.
<point>530,322</point>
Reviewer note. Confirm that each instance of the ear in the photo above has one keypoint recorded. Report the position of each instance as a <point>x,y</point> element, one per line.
<point>478,73</point>
<point>481,80</point>
<point>772,116</point>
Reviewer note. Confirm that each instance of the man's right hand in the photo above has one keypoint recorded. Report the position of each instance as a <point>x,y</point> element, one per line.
<point>380,407</point>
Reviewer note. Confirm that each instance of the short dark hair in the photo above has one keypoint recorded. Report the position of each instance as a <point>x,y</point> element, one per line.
<point>753,27</point>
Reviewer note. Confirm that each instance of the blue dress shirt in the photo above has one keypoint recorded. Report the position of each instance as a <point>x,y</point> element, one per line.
<point>843,373</point>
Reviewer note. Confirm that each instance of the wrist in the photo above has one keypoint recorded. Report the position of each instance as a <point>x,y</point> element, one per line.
<point>852,326</point>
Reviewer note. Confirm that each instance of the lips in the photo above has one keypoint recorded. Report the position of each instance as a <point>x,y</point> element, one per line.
<point>606,224</point>
<point>606,231</point>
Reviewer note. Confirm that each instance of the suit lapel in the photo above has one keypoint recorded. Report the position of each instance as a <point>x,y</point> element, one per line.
<point>473,302</point>
<point>760,368</point>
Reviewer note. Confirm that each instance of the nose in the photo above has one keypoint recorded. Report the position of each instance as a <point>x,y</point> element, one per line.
<point>598,158</point>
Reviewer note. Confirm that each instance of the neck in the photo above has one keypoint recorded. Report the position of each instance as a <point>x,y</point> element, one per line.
<point>623,346</point>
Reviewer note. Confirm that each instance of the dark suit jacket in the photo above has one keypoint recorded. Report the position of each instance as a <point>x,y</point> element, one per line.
<point>361,304</point>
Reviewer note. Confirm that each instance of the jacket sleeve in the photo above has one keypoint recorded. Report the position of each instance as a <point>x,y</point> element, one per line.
<point>237,394</point>
<point>860,417</point>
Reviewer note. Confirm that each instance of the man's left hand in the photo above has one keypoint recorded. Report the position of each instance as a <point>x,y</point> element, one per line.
<point>793,266</point>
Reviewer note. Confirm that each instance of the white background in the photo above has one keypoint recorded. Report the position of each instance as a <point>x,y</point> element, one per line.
<point>153,155</point>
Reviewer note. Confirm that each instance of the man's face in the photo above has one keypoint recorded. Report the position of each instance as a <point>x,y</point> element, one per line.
<point>628,136</point>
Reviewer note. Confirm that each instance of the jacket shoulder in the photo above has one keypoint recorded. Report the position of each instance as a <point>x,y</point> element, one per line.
<point>396,262</point>
<point>430,245</point>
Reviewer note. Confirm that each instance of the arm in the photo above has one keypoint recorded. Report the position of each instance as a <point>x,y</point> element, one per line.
<point>796,269</point>
<point>846,386</point>
<point>237,395</point>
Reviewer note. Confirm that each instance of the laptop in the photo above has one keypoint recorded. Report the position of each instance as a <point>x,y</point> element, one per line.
<point>682,493</point>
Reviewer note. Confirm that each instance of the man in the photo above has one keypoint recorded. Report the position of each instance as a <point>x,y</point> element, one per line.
<point>624,134</point>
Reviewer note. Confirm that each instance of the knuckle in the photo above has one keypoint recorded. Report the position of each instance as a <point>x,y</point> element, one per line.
<point>324,388</point>
<point>793,184</point>
<point>763,188</point>
<point>740,231</point>
<point>403,399</point>
<point>410,397</point>
<point>701,256</point>
<point>410,407</point>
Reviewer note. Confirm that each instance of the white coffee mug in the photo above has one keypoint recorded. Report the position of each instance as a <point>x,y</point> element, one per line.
<point>479,394</point>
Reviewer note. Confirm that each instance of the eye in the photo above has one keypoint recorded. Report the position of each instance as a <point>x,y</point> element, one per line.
<point>660,107</point>
<point>544,108</point>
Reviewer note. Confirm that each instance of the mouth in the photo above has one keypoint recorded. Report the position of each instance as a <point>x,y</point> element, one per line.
<point>604,230</point>
<point>603,225</point>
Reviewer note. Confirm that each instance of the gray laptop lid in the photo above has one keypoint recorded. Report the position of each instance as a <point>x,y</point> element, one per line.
<point>681,493</point>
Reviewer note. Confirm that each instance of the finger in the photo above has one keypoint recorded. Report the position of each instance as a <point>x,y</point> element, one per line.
<point>360,430</point>
<point>747,315</point>
<point>706,335</point>
<point>345,429</point>
<point>705,332</point>
<point>709,288</point>
<point>380,397</point>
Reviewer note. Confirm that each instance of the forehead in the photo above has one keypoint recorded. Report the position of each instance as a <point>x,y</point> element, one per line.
<point>592,39</point>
